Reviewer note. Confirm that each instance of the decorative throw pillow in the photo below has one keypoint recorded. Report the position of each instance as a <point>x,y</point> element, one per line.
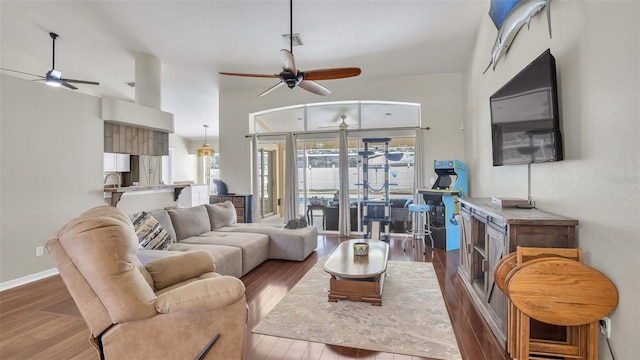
<point>222,214</point>
<point>162,216</point>
<point>151,235</point>
<point>189,222</point>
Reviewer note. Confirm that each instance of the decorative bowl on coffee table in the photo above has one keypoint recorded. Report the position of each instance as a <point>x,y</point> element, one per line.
<point>360,249</point>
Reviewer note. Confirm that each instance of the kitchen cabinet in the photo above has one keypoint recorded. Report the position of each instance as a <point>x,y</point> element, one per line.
<point>116,162</point>
<point>135,140</point>
<point>242,203</point>
<point>488,234</point>
<point>194,195</point>
<point>145,171</point>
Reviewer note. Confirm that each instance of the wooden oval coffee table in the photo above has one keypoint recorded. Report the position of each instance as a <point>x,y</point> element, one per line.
<point>358,278</point>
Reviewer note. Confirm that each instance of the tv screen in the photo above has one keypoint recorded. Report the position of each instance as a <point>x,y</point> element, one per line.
<point>525,126</point>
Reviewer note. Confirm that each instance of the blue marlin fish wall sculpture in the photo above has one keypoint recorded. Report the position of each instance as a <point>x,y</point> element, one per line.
<point>521,14</point>
<point>499,10</point>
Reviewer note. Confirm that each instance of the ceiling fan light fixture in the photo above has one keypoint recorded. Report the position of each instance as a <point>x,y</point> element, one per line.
<point>53,82</point>
<point>290,79</point>
<point>53,78</point>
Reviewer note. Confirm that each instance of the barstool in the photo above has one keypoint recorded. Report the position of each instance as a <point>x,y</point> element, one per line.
<point>419,231</point>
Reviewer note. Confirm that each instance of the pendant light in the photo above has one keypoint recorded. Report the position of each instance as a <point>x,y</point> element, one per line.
<point>205,150</point>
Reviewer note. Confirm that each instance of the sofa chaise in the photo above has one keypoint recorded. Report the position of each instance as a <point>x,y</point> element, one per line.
<point>237,248</point>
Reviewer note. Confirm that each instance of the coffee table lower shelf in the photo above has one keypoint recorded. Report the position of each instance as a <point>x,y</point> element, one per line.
<point>366,290</point>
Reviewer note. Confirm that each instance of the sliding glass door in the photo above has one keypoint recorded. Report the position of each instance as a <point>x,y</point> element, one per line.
<point>317,127</point>
<point>319,182</point>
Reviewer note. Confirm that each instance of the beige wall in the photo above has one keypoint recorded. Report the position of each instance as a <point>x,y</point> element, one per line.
<point>596,45</point>
<point>51,145</point>
<point>50,152</point>
<point>187,168</point>
<point>441,97</point>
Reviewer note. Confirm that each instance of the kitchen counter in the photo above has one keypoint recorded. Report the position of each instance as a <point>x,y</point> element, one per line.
<point>117,192</point>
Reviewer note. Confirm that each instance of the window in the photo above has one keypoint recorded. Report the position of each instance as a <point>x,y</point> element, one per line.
<point>317,128</point>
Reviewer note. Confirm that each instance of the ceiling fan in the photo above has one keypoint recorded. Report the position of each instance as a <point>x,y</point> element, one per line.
<point>54,76</point>
<point>293,77</point>
<point>342,125</point>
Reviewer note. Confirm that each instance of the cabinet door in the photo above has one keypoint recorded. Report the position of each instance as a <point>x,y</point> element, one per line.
<point>116,162</point>
<point>200,195</point>
<point>465,243</point>
<point>238,201</point>
<point>150,170</point>
<point>496,250</point>
<point>226,198</point>
<point>194,195</point>
<point>123,162</point>
<point>240,215</point>
<point>478,263</point>
<point>109,162</point>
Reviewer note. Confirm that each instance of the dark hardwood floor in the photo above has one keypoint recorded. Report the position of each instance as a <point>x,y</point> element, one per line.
<point>40,320</point>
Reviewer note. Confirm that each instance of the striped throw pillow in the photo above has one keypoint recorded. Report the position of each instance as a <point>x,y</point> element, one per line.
<point>151,235</point>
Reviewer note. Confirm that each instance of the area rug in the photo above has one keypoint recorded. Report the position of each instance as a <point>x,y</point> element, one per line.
<point>412,320</point>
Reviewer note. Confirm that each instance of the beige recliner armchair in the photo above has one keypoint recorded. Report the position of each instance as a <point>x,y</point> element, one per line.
<point>169,309</point>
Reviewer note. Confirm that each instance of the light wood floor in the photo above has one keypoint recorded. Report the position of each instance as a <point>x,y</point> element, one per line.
<point>40,320</point>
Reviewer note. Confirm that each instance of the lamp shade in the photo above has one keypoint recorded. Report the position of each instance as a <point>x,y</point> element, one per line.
<point>205,150</point>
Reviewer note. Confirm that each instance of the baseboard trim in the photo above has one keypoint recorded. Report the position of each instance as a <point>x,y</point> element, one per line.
<point>28,279</point>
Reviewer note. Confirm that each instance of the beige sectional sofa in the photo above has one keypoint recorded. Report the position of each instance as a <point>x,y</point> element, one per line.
<point>236,248</point>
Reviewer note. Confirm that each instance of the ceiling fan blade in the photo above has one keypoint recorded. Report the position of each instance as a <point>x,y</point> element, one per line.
<point>249,75</point>
<point>342,125</point>
<point>329,74</point>
<point>287,61</point>
<point>274,87</point>
<point>314,87</point>
<point>80,81</point>
<point>22,72</point>
<point>66,84</point>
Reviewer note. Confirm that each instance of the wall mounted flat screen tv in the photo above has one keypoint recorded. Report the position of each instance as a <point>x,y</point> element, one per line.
<point>525,125</point>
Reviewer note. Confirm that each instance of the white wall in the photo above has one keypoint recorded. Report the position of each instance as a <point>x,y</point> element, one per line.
<point>51,145</point>
<point>596,45</point>
<point>441,97</point>
<point>185,164</point>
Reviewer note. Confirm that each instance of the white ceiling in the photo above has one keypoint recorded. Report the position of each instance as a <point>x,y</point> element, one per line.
<point>196,39</point>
